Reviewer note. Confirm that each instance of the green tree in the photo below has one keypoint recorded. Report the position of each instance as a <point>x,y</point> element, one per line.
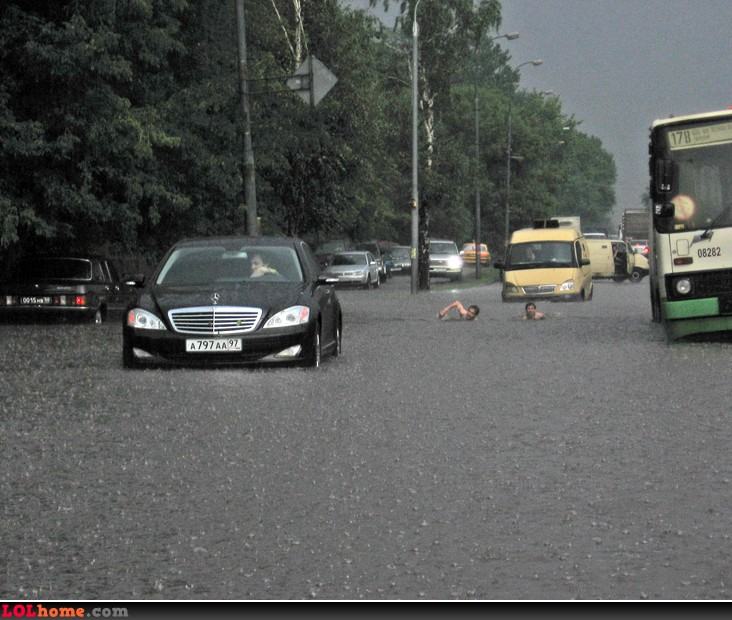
<point>81,134</point>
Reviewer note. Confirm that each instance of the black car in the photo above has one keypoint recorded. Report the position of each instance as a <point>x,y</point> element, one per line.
<point>234,300</point>
<point>83,287</point>
<point>325,251</point>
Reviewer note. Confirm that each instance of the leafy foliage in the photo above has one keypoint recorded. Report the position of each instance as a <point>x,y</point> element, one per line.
<point>120,126</point>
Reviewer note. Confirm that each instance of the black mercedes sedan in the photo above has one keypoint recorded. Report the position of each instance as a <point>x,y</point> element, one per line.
<point>233,300</point>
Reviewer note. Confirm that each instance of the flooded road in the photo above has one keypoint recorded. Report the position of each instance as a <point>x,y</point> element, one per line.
<point>575,457</point>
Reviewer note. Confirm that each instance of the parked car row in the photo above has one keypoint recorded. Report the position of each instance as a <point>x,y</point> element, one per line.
<point>219,300</point>
<point>392,259</point>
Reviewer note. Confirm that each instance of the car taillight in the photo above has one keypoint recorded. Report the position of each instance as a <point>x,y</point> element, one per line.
<point>646,250</point>
<point>80,300</point>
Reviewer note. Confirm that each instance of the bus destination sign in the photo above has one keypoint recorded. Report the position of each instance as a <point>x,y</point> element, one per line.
<point>695,137</point>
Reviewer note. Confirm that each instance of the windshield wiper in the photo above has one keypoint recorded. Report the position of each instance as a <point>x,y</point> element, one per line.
<point>708,232</point>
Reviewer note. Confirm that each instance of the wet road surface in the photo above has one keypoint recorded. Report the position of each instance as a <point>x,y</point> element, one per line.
<point>575,457</point>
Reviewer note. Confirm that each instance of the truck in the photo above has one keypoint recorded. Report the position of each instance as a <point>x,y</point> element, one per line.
<point>568,221</point>
<point>635,225</point>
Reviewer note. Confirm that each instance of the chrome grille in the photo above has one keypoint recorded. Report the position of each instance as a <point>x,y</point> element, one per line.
<point>538,290</point>
<point>213,320</point>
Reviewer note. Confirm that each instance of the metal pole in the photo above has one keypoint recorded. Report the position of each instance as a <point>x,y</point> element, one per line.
<point>508,173</point>
<point>477,182</point>
<point>415,193</point>
<point>249,172</point>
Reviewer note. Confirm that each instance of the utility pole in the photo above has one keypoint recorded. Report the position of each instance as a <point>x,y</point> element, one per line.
<point>249,172</point>
<point>414,249</point>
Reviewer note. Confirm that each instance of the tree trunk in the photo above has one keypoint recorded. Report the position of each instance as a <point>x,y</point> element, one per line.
<point>427,104</point>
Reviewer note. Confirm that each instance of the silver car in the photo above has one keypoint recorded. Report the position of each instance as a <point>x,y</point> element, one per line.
<point>357,267</point>
<point>445,260</point>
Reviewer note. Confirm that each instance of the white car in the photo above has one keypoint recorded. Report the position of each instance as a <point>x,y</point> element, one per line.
<point>445,260</point>
<point>357,267</point>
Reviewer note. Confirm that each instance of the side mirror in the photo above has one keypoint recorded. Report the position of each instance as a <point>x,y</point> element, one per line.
<point>499,265</point>
<point>665,176</point>
<point>136,279</point>
<point>665,209</point>
<point>585,261</point>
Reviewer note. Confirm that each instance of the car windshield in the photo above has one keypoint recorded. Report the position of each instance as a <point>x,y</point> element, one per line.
<point>203,265</point>
<point>540,254</point>
<point>349,259</point>
<point>54,269</point>
<point>443,247</point>
<point>331,246</point>
<point>368,247</point>
<point>399,253</point>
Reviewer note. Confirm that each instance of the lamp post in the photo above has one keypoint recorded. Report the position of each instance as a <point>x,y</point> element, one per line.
<point>414,204</point>
<point>535,63</point>
<point>509,37</point>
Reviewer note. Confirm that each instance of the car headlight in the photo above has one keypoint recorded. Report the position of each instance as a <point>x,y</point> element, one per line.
<point>142,319</point>
<point>683,286</point>
<point>511,288</point>
<point>567,286</point>
<point>294,315</point>
<point>454,262</point>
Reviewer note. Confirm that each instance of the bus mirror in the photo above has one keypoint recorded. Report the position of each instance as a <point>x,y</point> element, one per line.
<point>665,175</point>
<point>665,209</point>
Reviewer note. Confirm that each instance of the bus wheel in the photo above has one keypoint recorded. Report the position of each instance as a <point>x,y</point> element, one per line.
<point>655,306</point>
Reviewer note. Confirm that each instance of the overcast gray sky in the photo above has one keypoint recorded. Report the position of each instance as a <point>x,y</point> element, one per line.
<point>619,64</point>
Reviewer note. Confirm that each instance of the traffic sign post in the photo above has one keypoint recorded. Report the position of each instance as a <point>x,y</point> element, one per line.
<point>312,81</point>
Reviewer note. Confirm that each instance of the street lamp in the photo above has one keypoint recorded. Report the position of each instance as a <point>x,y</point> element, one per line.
<point>535,63</point>
<point>509,36</point>
<point>414,205</point>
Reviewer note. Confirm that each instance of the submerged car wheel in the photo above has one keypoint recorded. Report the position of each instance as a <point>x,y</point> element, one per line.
<point>368,283</point>
<point>338,350</point>
<point>313,353</point>
<point>128,357</point>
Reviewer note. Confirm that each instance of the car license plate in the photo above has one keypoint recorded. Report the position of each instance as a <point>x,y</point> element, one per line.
<point>35,301</point>
<point>213,345</point>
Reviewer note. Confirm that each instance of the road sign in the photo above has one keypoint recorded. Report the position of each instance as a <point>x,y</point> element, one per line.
<point>312,80</point>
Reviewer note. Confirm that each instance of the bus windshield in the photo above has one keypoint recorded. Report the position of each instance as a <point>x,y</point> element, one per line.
<point>703,154</point>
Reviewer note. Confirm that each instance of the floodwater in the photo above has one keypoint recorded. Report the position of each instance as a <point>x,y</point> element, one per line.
<point>576,457</point>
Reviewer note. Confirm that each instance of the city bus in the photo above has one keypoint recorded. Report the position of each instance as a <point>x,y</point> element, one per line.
<point>690,227</point>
